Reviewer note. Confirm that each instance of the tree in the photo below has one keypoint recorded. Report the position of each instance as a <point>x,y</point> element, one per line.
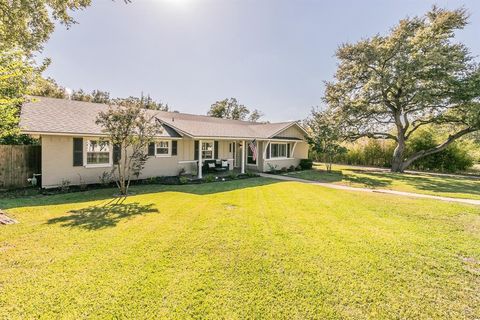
<point>80,95</point>
<point>255,115</point>
<point>144,102</point>
<point>47,88</point>
<point>130,129</point>
<point>387,87</point>
<point>99,96</point>
<point>325,136</point>
<point>16,72</point>
<point>231,109</point>
<point>28,24</point>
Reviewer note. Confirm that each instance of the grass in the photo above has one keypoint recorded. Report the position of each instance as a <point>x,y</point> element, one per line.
<point>253,248</point>
<point>456,187</point>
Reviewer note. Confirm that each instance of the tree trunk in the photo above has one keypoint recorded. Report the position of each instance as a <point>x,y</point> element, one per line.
<point>398,156</point>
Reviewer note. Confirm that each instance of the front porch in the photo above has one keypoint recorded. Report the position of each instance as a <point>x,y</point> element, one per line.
<point>215,156</point>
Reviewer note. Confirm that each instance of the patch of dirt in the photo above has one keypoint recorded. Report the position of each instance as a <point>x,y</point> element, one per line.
<point>471,265</point>
<point>4,219</point>
<point>229,206</point>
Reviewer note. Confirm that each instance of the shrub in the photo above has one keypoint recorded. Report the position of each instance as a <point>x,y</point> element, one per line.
<point>65,185</point>
<point>82,183</point>
<point>306,164</point>
<point>291,168</point>
<point>272,168</point>
<point>284,169</point>
<point>232,175</point>
<point>251,174</point>
<point>105,179</point>
<point>183,180</point>
<point>209,178</point>
<point>452,159</point>
<point>181,172</point>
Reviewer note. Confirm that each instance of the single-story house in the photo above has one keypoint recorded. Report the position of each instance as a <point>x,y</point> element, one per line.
<point>74,149</point>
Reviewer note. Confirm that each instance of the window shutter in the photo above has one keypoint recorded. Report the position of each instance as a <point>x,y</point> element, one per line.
<point>151,149</point>
<point>230,147</point>
<point>195,155</point>
<point>174,148</point>
<point>288,150</point>
<point>117,153</point>
<point>215,149</point>
<point>268,151</point>
<point>77,152</point>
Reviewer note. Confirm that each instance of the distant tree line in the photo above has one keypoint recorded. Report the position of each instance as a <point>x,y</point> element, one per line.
<point>49,88</point>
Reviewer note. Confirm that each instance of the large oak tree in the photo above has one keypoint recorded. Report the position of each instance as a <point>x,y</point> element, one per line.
<point>387,87</point>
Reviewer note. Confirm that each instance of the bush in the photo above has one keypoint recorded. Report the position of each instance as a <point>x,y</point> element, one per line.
<point>183,180</point>
<point>368,152</point>
<point>291,168</point>
<point>454,158</point>
<point>209,178</point>
<point>232,175</point>
<point>306,164</point>
<point>272,168</point>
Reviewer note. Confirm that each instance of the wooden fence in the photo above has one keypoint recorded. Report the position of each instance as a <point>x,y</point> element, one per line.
<point>17,164</point>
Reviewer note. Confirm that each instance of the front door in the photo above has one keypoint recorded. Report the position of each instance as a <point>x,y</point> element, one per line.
<point>238,154</point>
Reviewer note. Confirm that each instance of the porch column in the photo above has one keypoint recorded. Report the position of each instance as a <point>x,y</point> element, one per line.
<point>200,159</point>
<point>243,156</point>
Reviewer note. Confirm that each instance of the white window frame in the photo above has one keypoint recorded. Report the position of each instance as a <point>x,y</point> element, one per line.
<point>286,150</point>
<point>162,155</point>
<point>96,165</point>
<point>213,149</point>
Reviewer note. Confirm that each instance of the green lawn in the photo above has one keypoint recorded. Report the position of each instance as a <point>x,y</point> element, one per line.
<point>468,188</point>
<point>252,248</point>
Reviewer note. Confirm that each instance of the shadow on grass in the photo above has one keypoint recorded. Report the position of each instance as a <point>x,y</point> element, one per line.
<point>382,179</point>
<point>99,217</point>
<point>338,176</point>
<point>435,184</point>
<point>103,194</point>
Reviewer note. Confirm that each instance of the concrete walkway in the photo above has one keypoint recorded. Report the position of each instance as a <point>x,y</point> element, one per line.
<point>386,191</point>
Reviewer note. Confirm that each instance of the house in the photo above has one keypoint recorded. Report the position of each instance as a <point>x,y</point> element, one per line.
<point>74,148</point>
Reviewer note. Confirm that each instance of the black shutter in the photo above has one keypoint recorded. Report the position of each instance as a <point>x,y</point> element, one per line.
<point>151,149</point>
<point>195,155</point>
<point>288,150</point>
<point>174,148</point>
<point>117,153</point>
<point>77,152</point>
<point>215,149</point>
<point>229,147</point>
<point>268,151</point>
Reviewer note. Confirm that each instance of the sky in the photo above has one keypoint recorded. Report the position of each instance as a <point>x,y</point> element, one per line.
<point>272,55</point>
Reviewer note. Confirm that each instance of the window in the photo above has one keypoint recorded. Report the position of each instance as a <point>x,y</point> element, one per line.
<point>207,150</point>
<point>278,150</point>
<point>162,148</point>
<point>98,152</point>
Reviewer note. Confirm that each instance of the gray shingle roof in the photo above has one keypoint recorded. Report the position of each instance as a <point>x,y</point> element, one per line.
<point>50,115</point>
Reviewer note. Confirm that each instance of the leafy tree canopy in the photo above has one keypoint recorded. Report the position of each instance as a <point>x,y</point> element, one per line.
<point>16,72</point>
<point>28,24</point>
<point>325,137</point>
<point>130,129</point>
<point>389,86</point>
<point>231,109</point>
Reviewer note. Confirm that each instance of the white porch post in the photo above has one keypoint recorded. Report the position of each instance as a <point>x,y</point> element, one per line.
<point>243,156</point>
<point>200,159</point>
